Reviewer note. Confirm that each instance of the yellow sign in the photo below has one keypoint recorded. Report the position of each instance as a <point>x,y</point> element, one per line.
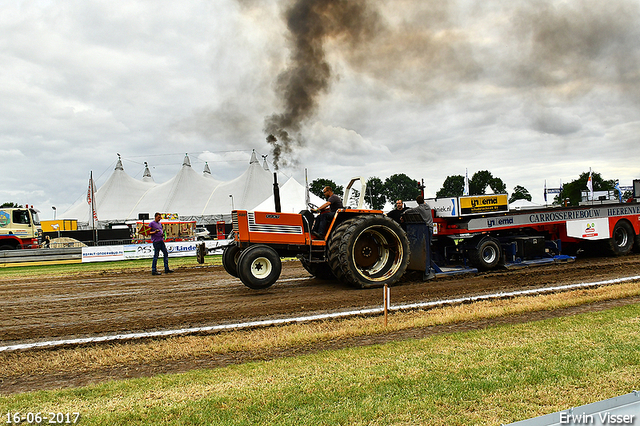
<point>478,204</point>
<point>59,225</point>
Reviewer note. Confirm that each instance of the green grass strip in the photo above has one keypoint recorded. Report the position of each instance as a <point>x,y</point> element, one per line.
<point>123,265</point>
<point>497,375</point>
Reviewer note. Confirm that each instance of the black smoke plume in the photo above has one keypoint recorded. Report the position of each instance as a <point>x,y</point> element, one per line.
<point>311,23</point>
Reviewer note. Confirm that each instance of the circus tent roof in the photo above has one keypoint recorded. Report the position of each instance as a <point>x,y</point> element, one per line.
<point>188,193</point>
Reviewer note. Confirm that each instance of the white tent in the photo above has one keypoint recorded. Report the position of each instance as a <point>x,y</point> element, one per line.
<point>523,204</point>
<point>115,198</point>
<point>292,199</point>
<point>188,194</point>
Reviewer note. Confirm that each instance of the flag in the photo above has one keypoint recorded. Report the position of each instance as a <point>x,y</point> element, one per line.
<point>617,187</point>
<point>91,200</point>
<point>590,184</point>
<point>545,191</point>
<point>466,183</point>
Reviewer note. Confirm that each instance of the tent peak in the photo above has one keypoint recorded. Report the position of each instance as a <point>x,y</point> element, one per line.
<point>186,161</point>
<point>147,172</point>
<point>119,164</point>
<point>264,163</point>
<point>206,168</point>
<point>254,158</point>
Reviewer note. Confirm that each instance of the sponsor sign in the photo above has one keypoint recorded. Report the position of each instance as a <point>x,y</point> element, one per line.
<point>479,204</point>
<point>102,253</point>
<point>444,207</point>
<point>594,229</point>
<point>145,251</point>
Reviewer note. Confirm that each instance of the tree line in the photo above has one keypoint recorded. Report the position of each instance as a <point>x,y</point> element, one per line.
<point>402,187</point>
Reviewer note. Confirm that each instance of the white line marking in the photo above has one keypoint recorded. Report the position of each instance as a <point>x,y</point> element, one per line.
<point>267,323</point>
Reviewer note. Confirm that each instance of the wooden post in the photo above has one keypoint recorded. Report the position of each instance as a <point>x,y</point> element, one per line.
<point>385,301</point>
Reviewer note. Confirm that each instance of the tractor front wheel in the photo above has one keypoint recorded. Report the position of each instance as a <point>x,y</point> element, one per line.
<point>259,267</point>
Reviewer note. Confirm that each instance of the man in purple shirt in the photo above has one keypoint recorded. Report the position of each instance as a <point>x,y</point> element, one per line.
<point>157,238</point>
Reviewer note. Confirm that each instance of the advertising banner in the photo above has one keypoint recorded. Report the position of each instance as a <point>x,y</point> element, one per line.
<point>145,251</point>
<point>478,204</point>
<point>444,207</point>
<point>592,229</point>
<point>102,253</point>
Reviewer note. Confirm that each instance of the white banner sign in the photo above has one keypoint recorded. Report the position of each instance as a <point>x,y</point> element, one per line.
<point>102,253</point>
<point>145,251</point>
<point>592,229</point>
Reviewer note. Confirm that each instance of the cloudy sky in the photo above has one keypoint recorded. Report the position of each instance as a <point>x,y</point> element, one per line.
<point>530,91</point>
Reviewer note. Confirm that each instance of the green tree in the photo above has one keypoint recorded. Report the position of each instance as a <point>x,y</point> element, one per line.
<point>318,185</point>
<point>453,186</point>
<point>10,205</point>
<point>401,186</point>
<point>375,196</point>
<point>519,193</point>
<point>480,180</point>
<point>573,190</point>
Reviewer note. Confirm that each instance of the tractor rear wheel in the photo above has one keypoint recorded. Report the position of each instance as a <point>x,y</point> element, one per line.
<point>259,266</point>
<point>369,251</point>
<point>230,255</point>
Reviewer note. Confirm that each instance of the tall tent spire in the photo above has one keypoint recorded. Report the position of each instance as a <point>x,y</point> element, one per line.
<point>119,163</point>
<point>254,158</point>
<point>264,164</point>
<point>186,161</point>
<point>206,171</point>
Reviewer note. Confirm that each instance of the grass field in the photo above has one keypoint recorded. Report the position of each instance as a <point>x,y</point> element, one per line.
<point>76,268</point>
<point>492,376</point>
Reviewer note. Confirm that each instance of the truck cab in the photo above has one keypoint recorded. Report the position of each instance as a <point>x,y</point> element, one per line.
<point>19,228</point>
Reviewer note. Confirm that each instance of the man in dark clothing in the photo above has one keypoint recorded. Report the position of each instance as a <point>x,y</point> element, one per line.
<point>424,211</point>
<point>396,213</point>
<point>327,211</point>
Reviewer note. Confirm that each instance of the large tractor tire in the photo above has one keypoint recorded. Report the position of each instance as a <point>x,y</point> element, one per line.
<point>259,266</point>
<point>486,254</point>
<point>621,241</point>
<point>319,270</point>
<point>369,251</point>
<point>230,255</point>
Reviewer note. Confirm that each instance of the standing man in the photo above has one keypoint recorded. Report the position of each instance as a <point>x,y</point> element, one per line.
<point>324,218</point>
<point>396,213</point>
<point>425,213</point>
<point>157,238</point>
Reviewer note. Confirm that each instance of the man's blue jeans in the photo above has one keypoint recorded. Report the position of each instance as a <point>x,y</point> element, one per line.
<point>157,247</point>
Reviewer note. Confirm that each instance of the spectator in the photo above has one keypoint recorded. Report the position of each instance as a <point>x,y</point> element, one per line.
<point>157,238</point>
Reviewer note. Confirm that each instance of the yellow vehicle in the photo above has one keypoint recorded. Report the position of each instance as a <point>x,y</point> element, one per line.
<point>19,228</point>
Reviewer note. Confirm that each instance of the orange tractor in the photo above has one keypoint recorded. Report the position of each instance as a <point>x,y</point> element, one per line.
<point>363,248</point>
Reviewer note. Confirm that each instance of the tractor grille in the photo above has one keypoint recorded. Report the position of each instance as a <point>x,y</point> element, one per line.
<point>278,229</point>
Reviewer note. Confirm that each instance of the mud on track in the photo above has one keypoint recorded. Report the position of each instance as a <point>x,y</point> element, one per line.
<point>98,303</point>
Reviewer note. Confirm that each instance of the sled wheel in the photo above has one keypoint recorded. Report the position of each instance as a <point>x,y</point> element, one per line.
<point>230,255</point>
<point>621,241</point>
<point>486,255</point>
<point>369,251</point>
<point>259,267</point>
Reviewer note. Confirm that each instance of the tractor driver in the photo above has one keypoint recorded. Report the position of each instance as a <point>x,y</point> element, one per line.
<point>327,211</point>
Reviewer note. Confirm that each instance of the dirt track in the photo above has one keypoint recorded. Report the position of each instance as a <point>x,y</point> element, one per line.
<point>108,302</point>
<point>101,303</point>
